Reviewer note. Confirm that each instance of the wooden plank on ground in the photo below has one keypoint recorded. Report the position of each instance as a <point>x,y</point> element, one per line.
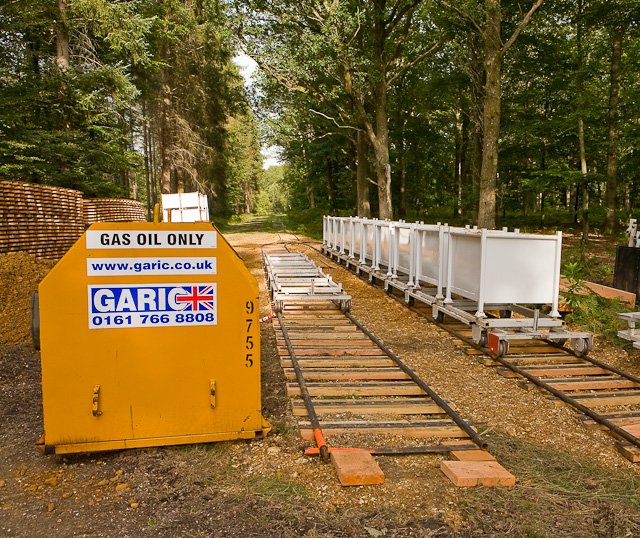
<point>629,451</point>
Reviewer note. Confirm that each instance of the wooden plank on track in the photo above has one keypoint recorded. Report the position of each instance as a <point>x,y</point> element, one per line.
<point>433,428</point>
<point>343,342</point>
<point>612,382</point>
<point>318,322</point>
<point>327,374</point>
<point>337,352</point>
<point>398,406</point>
<point>327,335</point>
<point>340,362</point>
<point>307,316</point>
<point>556,370</point>
<point>561,358</point>
<point>397,388</point>
<point>608,399</point>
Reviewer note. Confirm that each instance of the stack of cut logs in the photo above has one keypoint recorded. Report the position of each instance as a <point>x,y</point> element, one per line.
<point>112,210</point>
<point>39,219</point>
<point>46,221</point>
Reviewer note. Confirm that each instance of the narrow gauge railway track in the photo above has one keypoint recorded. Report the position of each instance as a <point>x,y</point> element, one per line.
<point>341,379</point>
<point>605,397</point>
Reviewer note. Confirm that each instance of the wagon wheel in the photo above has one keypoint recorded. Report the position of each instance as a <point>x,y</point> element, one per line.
<point>482,342</point>
<point>503,348</point>
<point>345,306</point>
<point>581,347</point>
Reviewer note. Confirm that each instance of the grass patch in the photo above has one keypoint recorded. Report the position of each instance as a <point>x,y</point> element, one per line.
<point>598,315</point>
<point>273,487</point>
<point>556,495</point>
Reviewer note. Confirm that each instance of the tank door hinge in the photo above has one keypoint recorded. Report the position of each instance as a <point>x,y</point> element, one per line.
<point>213,393</point>
<point>96,401</point>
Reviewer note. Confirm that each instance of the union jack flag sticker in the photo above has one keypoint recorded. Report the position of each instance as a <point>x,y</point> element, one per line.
<point>198,298</point>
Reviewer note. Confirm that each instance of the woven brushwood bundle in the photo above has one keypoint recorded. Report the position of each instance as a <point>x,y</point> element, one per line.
<point>113,210</point>
<point>39,219</point>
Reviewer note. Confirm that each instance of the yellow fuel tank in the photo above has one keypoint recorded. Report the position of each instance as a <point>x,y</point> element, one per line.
<point>149,336</point>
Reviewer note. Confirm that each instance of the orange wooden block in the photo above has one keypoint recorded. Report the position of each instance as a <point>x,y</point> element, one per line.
<point>477,473</point>
<point>356,468</point>
<point>633,429</point>
<point>472,455</point>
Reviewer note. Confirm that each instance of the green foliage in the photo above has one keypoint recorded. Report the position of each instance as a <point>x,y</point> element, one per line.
<point>597,315</point>
<point>245,165</point>
<point>576,287</point>
<point>589,311</point>
<point>273,196</point>
<point>306,221</point>
<point>141,77</point>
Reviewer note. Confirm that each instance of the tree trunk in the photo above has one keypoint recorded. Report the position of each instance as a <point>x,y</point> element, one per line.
<point>464,172</point>
<point>493,70</point>
<point>153,162</point>
<point>585,212</point>
<point>309,188</point>
<point>380,142</point>
<point>458,165</point>
<point>164,125</point>
<point>330,185</point>
<point>165,141</point>
<point>477,166</point>
<point>583,153</point>
<point>62,37</point>
<point>147,172</point>
<point>402,165</point>
<point>362,146</point>
<point>179,180</point>
<point>614,132</point>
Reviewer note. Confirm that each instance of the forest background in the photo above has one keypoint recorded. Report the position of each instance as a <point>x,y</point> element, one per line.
<point>488,112</point>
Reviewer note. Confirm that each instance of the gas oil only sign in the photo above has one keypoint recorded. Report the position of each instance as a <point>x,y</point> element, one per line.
<point>152,305</point>
<point>145,239</point>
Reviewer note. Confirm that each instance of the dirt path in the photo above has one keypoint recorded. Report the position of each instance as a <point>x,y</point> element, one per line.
<point>570,482</point>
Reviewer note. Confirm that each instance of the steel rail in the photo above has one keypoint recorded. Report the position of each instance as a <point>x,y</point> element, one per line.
<point>538,382</point>
<point>605,366</point>
<point>462,424</point>
<point>311,411</point>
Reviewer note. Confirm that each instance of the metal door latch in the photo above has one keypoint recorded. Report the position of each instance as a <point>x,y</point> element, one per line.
<point>213,393</point>
<point>96,401</point>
